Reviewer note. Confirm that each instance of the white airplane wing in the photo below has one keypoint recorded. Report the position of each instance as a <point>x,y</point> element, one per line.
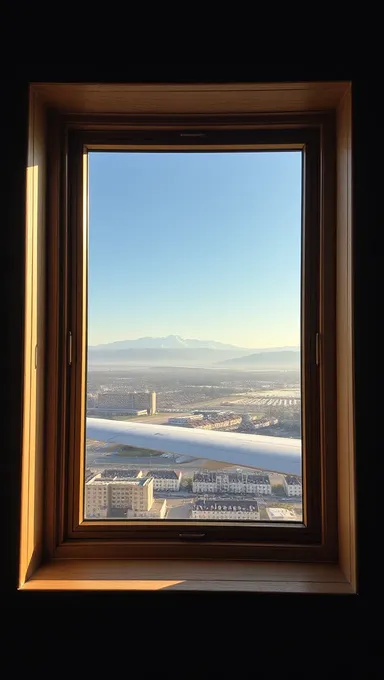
<point>274,454</point>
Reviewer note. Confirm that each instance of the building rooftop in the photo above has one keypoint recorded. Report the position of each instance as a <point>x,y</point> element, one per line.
<point>204,477</point>
<point>291,479</point>
<point>163,474</point>
<point>142,481</point>
<point>127,473</point>
<point>212,477</point>
<point>96,480</point>
<point>258,479</point>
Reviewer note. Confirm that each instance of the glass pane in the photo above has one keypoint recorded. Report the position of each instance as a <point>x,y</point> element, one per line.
<point>193,386</point>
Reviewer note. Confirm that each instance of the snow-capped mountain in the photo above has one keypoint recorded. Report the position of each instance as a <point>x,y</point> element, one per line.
<point>169,342</point>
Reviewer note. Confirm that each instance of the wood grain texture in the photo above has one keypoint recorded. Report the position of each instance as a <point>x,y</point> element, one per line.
<point>129,548</point>
<point>54,340</point>
<point>345,365</point>
<point>34,350</point>
<point>123,100</point>
<point>77,325</point>
<point>262,540</point>
<point>188,575</point>
<point>193,99</point>
<point>327,333</point>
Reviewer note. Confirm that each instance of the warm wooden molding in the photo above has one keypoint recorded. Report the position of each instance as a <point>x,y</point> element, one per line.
<point>85,101</point>
<point>229,98</point>
<point>189,575</point>
<point>243,541</point>
<point>31,536</point>
<point>344,344</point>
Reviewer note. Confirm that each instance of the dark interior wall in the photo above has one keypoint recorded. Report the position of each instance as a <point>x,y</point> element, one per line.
<point>349,617</point>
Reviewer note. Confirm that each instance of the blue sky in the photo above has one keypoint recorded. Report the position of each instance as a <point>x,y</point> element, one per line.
<point>204,246</point>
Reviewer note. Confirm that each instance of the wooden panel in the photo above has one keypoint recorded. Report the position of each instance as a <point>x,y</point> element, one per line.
<point>210,586</point>
<point>227,537</point>
<point>197,98</point>
<point>32,466</point>
<point>188,575</point>
<point>182,100</point>
<point>327,338</point>
<point>77,324</point>
<point>345,368</point>
<point>56,328</point>
<point>160,549</point>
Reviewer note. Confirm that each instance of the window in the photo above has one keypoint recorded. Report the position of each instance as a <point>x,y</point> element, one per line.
<point>263,173</point>
<point>72,140</point>
<point>204,245</point>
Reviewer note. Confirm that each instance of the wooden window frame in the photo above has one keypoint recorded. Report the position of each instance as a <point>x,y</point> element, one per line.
<point>306,135</point>
<point>63,118</point>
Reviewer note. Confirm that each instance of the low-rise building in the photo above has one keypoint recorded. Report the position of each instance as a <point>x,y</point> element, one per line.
<point>107,497</point>
<point>131,494</point>
<point>96,498</point>
<point>127,401</point>
<point>257,484</point>
<point>281,515</point>
<point>293,485</point>
<point>184,420</point>
<point>217,423</point>
<point>207,420</point>
<point>204,482</point>
<point>165,480</point>
<point>225,509</point>
<point>231,482</point>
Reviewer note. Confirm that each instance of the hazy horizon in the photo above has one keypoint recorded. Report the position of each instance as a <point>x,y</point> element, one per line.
<point>202,340</point>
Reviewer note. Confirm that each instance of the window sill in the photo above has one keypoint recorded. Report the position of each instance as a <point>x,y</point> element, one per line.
<point>137,575</point>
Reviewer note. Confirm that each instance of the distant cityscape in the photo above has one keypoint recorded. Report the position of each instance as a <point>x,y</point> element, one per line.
<point>125,483</point>
<point>131,494</point>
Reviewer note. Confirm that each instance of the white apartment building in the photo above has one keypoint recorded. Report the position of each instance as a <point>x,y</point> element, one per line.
<point>96,498</point>
<point>165,480</point>
<point>292,485</point>
<point>244,483</point>
<point>130,401</point>
<point>215,482</point>
<point>225,510</point>
<point>133,494</point>
<point>105,496</point>
<point>204,482</point>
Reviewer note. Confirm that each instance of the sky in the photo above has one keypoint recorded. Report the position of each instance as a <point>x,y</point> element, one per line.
<point>201,245</point>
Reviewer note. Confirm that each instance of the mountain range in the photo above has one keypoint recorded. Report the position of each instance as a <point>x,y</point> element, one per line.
<point>284,360</point>
<point>174,350</point>
<point>168,342</point>
<point>177,342</point>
